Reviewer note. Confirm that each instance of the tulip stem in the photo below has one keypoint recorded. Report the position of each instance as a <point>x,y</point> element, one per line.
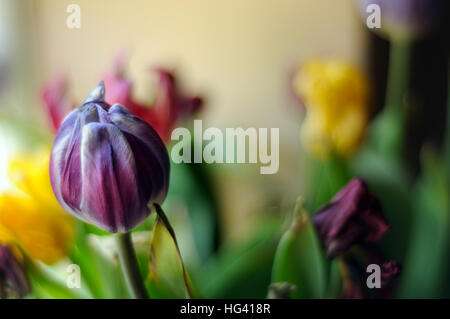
<point>396,91</point>
<point>398,74</point>
<point>130,267</point>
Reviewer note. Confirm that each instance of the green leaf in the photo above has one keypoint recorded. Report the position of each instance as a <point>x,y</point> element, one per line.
<point>46,286</point>
<point>328,177</point>
<point>191,183</point>
<point>334,286</point>
<point>427,259</point>
<point>102,276</point>
<point>168,277</point>
<point>299,259</point>
<point>388,179</point>
<point>241,270</point>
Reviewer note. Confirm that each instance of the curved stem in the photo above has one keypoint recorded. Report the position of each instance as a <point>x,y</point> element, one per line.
<point>130,267</point>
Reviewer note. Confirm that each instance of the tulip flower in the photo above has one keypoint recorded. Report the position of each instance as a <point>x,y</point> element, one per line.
<point>335,95</point>
<point>390,270</point>
<point>56,101</point>
<point>355,278</point>
<point>13,279</point>
<point>404,19</point>
<point>31,218</point>
<point>354,216</point>
<point>108,165</point>
<point>169,108</point>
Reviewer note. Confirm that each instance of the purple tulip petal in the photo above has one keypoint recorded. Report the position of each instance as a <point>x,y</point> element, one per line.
<point>110,186</point>
<point>353,216</point>
<point>12,273</point>
<point>107,165</point>
<point>152,154</point>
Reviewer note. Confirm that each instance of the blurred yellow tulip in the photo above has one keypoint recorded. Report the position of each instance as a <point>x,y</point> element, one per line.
<point>336,96</point>
<point>31,218</point>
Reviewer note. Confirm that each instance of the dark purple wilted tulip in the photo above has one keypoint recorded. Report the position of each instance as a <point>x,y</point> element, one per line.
<point>108,165</point>
<point>389,271</point>
<point>405,19</point>
<point>352,217</point>
<point>13,279</point>
<point>355,279</point>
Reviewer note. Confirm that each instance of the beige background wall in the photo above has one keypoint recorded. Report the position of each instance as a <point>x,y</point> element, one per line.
<point>240,53</point>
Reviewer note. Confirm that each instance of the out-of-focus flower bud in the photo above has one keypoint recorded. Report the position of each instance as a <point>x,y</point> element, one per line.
<point>107,165</point>
<point>120,87</point>
<point>335,95</point>
<point>353,216</point>
<point>56,101</point>
<point>13,279</point>
<point>404,19</point>
<point>169,108</point>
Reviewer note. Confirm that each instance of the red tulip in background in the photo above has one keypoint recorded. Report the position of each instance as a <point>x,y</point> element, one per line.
<point>169,108</point>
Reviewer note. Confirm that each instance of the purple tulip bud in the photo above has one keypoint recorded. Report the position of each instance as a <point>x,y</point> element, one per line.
<point>405,19</point>
<point>108,165</point>
<point>352,217</point>
<point>13,279</point>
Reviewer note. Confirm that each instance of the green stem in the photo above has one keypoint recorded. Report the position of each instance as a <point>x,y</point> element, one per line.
<point>398,74</point>
<point>392,122</point>
<point>130,266</point>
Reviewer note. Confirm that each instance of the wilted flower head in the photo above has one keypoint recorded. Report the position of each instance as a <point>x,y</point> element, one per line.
<point>352,217</point>
<point>389,271</point>
<point>404,19</point>
<point>169,107</point>
<point>107,165</point>
<point>354,277</point>
<point>13,279</point>
<point>30,217</point>
<point>335,95</point>
<point>56,101</point>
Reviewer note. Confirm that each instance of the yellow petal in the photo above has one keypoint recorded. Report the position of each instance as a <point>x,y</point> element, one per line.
<point>336,97</point>
<point>29,172</point>
<point>42,232</point>
<point>349,132</point>
<point>314,134</point>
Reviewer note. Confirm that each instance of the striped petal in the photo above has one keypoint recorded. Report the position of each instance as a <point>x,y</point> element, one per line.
<point>110,197</point>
